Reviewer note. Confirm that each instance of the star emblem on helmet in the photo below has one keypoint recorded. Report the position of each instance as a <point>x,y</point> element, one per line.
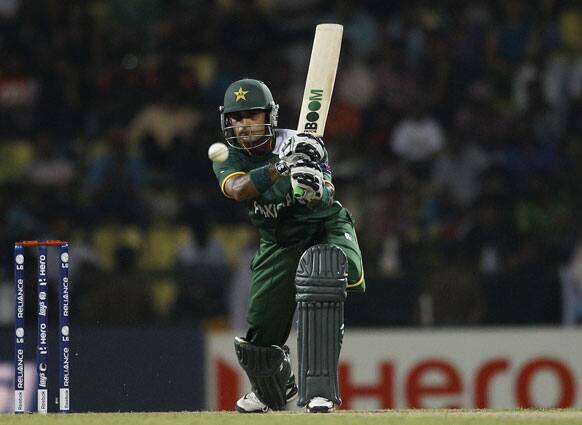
<point>241,94</point>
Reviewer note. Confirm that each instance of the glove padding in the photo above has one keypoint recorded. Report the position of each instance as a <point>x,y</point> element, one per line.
<point>283,168</point>
<point>302,146</point>
<point>307,176</point>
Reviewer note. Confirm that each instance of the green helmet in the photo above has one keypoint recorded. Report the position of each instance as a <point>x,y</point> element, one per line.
<point>246,95</point>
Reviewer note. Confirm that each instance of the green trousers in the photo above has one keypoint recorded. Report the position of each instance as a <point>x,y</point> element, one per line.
<point>272,296</point>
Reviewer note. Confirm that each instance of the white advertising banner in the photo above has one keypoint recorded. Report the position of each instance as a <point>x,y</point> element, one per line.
<point>529,367</point>
<point>7,394</point>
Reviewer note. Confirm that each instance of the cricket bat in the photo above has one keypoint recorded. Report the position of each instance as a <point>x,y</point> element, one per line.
<point>320,80</point>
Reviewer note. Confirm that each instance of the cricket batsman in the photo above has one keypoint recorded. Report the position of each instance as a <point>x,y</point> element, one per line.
<point>308,256</point>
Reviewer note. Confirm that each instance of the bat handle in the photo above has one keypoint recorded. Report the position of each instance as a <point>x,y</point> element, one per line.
<point>298,192</point>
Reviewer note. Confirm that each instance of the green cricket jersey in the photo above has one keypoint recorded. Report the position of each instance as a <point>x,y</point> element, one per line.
<point>276,213</point>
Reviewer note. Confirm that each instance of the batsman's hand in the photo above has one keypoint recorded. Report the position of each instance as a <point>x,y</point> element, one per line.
<point>306,181</point>
<point>302,146</point>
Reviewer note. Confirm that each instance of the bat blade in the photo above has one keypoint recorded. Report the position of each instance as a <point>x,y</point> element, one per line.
<point>320,79</point>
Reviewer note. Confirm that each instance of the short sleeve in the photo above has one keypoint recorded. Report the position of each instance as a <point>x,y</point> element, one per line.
<point>227,169</point>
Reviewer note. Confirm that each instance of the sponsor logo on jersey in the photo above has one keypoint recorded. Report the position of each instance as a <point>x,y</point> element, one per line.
<point>272,210</point>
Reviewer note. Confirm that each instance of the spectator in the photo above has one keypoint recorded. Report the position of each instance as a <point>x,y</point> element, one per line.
<point>418,138</point>
<point>201,247</point>
<point>115,179</point>
<point>457,170</point>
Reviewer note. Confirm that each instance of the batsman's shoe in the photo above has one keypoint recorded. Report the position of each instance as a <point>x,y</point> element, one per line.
<point>320,405</point>
<point>250,403</point>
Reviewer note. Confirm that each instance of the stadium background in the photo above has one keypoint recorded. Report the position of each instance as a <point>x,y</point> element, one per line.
<point>455,138</point>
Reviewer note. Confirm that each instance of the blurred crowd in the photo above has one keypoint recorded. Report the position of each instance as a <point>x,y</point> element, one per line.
<point>455,137</point>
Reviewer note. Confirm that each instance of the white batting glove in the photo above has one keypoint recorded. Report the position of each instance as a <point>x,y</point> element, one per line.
<point>302,146</point>
<point>306,181</point>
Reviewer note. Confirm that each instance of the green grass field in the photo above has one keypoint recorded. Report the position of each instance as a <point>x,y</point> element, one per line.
<point>394,417</point>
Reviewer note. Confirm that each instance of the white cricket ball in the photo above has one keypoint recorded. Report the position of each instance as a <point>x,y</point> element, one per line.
<point>218,152</point>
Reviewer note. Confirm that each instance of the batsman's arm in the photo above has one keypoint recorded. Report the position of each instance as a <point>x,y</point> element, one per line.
<point>245,186</point>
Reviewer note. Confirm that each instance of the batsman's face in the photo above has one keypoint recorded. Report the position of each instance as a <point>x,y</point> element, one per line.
<point>248,126</point>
